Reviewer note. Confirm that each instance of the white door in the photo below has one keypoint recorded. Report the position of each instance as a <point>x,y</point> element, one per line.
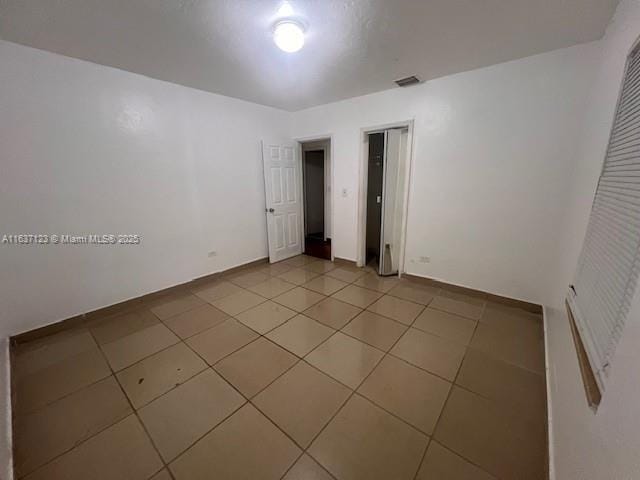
<point>282,186</point>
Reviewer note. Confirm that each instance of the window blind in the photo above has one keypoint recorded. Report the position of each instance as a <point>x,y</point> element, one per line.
<point>608,266</point>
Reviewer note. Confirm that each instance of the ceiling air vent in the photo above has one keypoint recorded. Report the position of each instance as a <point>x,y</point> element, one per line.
<point>405,82</point>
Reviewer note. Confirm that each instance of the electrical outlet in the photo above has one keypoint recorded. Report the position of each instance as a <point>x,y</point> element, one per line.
<point>212,253</point>
<point>425,260</point>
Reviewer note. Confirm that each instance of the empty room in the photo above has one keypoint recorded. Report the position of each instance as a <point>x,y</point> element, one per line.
<point>319,240</point>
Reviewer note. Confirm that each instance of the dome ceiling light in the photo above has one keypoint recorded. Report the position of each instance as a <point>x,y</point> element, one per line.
<point>288,36</point>
<point>288,33</point>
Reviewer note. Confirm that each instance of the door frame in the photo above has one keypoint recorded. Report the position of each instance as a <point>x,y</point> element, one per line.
<point>328,179</point>
<point>363,171</point>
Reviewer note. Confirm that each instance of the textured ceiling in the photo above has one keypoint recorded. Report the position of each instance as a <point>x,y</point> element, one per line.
<point>353,47</point>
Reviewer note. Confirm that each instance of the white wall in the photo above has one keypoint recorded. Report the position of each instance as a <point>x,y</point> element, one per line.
<point>91,149</point>
<point>605,445</point>
<point>492,160</point>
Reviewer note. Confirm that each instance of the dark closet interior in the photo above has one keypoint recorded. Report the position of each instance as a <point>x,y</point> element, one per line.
<point>314,211</point>
<point>375,178</point>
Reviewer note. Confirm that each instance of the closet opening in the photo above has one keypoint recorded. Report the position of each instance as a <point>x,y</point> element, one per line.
<point>316,194</point>
<point>384,196</point>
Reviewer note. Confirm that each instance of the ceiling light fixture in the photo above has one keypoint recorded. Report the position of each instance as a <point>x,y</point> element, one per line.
<point>285,10</point>
<point>289,36</point>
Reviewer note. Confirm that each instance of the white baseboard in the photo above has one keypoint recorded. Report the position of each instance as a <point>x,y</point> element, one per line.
<point>6,444</point>
<point>547,371</point>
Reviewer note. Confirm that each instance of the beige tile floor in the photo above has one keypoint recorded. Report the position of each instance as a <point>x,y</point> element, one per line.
<point>299,370</point>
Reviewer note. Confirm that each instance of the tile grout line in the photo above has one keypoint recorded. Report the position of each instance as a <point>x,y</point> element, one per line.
<point>444,406</point>
<point>341,330</point>
<point>66,395</point>
<point>249,400</point>
<point>180,340</point>
<point>246,400</point>
<point>224,419</point>
<point>99,345</point>
<point>353,392</point>
<point>134,410</point>
<point>429,437</point>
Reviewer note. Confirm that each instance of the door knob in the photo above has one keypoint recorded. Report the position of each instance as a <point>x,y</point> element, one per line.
<point>271,210</point>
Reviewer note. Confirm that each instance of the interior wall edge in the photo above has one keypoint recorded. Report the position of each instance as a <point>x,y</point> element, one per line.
<point>162,290</point>
<point>6,432</point>
<point>547,375</point>
<point>526,304</point>
<point>154,79</point>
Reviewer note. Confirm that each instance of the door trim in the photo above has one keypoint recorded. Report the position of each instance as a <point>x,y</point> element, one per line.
<point>329,181</point>
<point>362,189</point>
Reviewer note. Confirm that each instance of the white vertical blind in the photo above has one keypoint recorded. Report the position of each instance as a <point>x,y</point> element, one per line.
<point>608,268</point>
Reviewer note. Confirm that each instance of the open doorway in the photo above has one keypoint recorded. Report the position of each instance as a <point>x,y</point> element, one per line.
<point>316,194</point>
<point>384,198</point>
<point>375,176</point>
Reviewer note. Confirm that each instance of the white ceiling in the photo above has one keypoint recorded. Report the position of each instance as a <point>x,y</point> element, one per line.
<point>353,47</point>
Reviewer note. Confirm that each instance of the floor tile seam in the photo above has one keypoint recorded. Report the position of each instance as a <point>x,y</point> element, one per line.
<point>394,415</point>
<point>245,401</point>
<point>438,290</point>
<point>438,421</point>
<point>508,362</point>
<point>308,290</point>
<point>457,314</point>
<point>460,344</point>
<point>251,397</point>
<point>115,372</point>
<point>77,444</point>
<point>424,455</point>
<point>366,343</point>
<point>390,318</point>
<point>424,305</point>
<point>353,392</point>
<point>332,293</point>
<point>182,339</point>
<point>66,395</point>
<point>206,303</point>
<point>171,389</point>
<point>186,449</point>
<point>180,313</point>
<point>451,313</point>
<point>273,328</point>
<point>293,285</point>
<point>135,412</point>
<point>302,454</point>
<point>479,467</point>
<point>395,356</point>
